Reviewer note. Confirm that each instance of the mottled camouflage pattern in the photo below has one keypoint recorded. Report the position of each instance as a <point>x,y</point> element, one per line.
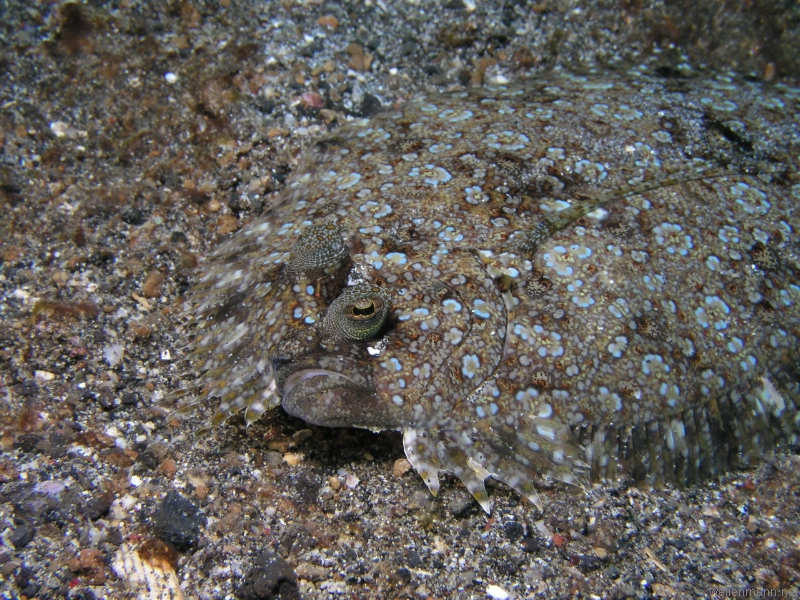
<point>586,277</point>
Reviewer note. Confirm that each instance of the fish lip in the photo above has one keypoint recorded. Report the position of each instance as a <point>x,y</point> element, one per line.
<point>300,375</point>
<point>291,373</point>
<point>328,390</point>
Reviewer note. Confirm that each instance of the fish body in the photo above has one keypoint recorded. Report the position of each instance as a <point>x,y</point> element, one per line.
<point>578,278</point>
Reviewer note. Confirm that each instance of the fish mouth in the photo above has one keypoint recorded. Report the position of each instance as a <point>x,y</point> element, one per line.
<point>327,390</point>
<point>302,375</point>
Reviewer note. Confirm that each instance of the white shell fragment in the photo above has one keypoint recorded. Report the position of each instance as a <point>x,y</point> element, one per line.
<point>150,580</point>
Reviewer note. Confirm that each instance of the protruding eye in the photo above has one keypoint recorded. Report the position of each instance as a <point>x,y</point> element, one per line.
<point>359,313</point>
<point>319,248</point>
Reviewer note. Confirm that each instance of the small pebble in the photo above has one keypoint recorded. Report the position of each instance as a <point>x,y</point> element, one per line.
<point>21,535</point>
<point>151,288</point>
<point>514,530</point>
<point>401,467</point>
<point>168,468</point>
<point>497,592</point>
<point>270,577</point>
<point>113,354</point>
<point>293,458</point>
<point>178,521</point>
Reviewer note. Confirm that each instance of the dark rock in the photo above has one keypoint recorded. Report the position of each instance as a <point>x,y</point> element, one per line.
<point>400,576</point>
<point>27,442</point>
<point>130,399</point>
<point>588,563</point>
<point>147,460</point>
<point>414,560</point>
<point>370,105</point>
<point>514,530</point>
<point>178,521</point>
<point>84,594</point>
<point>350,555</point>
<point>531,544</point>
<point>305,483</point>
<point>270,578</point>
<point>8,567</point>
<point>26,582</point>
<point>114,536</point>
<point>21,535</point>
<point>97,506</point>
<point>32,505</point>
<point>136,215</point>
<point>101,257</point>
<point>23,577</point>
<point>296,539</point>
<point>612,572</point>
<point>265,105</point>
<point>178,237</point>
<point>63,510</point>
<point>508,568</point>
<point>105,398</point>
<point>29,388</point>
<point>58,442</point>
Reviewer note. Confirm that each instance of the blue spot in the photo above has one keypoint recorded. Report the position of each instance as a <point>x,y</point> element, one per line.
<point>396,257</point>
<point>583,302</point>
<point>452,305</point>
<point>396,363</point>
<point>477,308</point>
<point>462,116</point>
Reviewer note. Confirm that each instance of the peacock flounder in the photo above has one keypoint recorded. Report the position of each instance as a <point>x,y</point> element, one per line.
<point>576,279</point>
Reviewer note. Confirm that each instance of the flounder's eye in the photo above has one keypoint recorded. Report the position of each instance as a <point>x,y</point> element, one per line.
<point>319,248</point>
<point>359,313</point>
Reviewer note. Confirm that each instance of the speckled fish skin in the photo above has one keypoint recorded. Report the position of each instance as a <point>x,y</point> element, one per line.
<point>580,278</point>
